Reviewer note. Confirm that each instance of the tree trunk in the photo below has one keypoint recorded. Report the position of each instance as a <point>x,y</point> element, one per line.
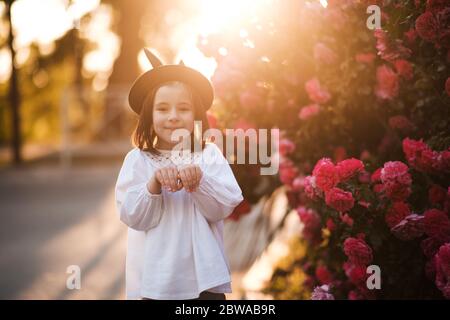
<point>14,95</point>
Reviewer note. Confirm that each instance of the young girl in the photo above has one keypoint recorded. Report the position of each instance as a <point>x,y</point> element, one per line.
<point>174,207</point>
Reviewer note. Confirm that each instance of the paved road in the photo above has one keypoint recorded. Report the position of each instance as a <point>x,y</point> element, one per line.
<point>51,219</point>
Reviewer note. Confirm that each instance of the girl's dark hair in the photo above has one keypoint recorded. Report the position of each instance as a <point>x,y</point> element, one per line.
<point>144,136</point>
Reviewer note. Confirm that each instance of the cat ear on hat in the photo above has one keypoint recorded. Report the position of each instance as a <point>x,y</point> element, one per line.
<point>154,60</point>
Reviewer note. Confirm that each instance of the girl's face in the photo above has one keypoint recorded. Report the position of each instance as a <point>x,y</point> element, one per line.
<point>172,109</point>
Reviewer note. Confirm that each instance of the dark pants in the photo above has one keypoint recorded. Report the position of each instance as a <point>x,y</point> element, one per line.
<point>205,295</point>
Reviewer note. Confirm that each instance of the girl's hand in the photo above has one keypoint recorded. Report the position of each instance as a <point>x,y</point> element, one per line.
<point>190,176</point>
<point>168,178</point>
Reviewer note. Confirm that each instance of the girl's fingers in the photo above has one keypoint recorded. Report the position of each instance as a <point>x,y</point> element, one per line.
<point>158,177</point>
<point>178,185</point>
<point>190,178</point>
<point>166,178</point>
<point>172,178</point>
<point>184,179</point>
<point>198,173</point>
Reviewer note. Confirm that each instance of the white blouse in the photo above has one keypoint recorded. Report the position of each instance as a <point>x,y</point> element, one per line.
<point>175,239</point>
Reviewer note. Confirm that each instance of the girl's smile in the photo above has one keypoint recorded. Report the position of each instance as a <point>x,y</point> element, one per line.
<point>172,109</point>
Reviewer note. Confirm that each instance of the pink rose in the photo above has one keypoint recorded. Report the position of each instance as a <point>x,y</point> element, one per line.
<point>347,219</point>
<point>287,171</point>
<point>387,83</point>
<point>436,223</point>
<point>315,91</point>
<point>396,180</point>
<point>348,168</point>
<point>286,147</point>
<point>404,68</point>
<point>388,49</point>
<point>309,111</point>
<point>311,224</point>
<point>310,187</point>
<point>325,174</point>
<point>396,213</point>
<point>339,199</point>
<point>324,54</point>
<point>409,228</point>
<point>322,293</point>
<point>357,251</point>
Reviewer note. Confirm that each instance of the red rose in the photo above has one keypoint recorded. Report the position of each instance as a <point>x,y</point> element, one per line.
<point>436,223</point>
<point>420,156</point>
<point>437,194</point>
<point>325,174</point>
<point>401,123</point>
<point>442,261</point>
<point>323,275</point>
<point>376,176</point>
<point>396,213</point>
<point>409,228</point>
<point>339,199</point>
<point>436,5</point>
<point>315,91</point>
<point>410,36</point>
<point>356,273</point>
<point>348,168</point>
<point>330,224</point>
<point>357,251</point>
<point>427,27</point>
<point>387,83</point>
<point>431,245</point>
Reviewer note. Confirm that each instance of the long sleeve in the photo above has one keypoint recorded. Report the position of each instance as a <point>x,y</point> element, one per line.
<point>218,192</point>
<point>136,206</point>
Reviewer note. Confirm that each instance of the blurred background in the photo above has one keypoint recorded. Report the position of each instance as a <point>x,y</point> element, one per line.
<point>354,87</point>
<point>66,68</point>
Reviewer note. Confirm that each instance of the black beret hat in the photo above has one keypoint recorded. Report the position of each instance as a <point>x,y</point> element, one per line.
<point>165,73</point>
